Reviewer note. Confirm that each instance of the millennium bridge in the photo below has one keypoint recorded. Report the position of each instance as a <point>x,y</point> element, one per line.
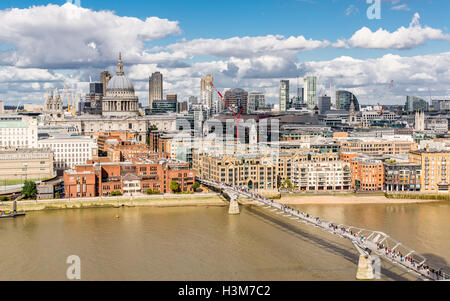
<point>371,245</point>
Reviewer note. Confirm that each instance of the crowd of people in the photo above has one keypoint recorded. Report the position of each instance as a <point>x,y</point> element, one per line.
<point>422,268</point>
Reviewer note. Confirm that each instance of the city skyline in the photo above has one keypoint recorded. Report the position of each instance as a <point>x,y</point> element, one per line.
<point>409,46</point>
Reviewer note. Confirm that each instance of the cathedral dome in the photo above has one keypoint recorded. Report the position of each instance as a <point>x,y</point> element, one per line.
<point>120,82</point>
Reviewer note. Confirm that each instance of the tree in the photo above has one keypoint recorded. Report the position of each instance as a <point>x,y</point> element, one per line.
<point>116,193</point>
<point>57,196</point>
<point>174,186</point>
<point>29,189</point>
<point>288,184</point>
<point>195,186</point>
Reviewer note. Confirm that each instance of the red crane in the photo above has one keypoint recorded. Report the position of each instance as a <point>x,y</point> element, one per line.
<point>236,116</point>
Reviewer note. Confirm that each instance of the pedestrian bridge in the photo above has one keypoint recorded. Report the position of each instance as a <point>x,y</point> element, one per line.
<point>367,242</point>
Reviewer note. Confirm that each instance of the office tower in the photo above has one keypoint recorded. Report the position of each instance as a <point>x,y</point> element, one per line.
<point>414,104</point>
<point>324,104</point>
<point>237,99</point>
<point>155,88</point>
<point>256,101</point>
<point>310,92</point>
<point>206,91</point>
<point>344,99</point>
<point>172,97</point>
<point>105,76</point>
<point>284,95</point>
<point>193,100</point>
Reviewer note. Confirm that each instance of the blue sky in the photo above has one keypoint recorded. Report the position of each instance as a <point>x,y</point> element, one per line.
<point>325,20</point>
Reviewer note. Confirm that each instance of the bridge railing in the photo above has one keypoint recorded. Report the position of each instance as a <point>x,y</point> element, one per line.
<point>372,241</point>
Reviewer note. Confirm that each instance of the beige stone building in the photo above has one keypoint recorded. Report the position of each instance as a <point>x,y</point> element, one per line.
<point>377,146</point>
<point>257,172</point>
<point>435,170</point>
<point>26,164</point>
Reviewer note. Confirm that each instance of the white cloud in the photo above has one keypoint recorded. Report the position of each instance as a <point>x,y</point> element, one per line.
<point>70,36</point>
<point>403,38</point>
<point>401,7</point>
<point>247,47</point>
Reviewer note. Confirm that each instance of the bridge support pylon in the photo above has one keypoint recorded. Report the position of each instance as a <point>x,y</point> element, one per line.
<point>365,269</point>
<point>234,206</point>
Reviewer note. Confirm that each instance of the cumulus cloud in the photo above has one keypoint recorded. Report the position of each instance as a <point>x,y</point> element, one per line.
<point>246,47</point>
<point>70,36</point>
<point>403,38</point>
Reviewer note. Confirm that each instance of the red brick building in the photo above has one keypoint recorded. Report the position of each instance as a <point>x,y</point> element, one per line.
<point>103,178</point>
<point>367,174</point>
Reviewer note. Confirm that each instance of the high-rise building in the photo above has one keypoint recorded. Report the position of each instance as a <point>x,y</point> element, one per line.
<point>256,101</point>
<point>310,92</point>
<point>344,99</point>
<point>105,76</point>
<point>172,97</point>
<point>414,104</point>
<point>206,91</point>
<point>324,104</point>
<point>155,88</point>
<point>284,95</point>
<point>237,99</point>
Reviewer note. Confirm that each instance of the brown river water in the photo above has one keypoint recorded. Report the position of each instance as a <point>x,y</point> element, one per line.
<point>205,243</point>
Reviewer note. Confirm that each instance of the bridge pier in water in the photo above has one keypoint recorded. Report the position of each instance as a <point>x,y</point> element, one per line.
<point>365,268</point>
<point>234,206</point>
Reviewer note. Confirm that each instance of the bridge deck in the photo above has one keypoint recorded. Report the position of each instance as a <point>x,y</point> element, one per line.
<point>370,242</point>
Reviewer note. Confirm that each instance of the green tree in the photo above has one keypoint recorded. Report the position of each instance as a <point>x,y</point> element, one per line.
<point>57,196</point>
<point>116,193</point>
<point>174,186</point>
<point>288,184</point>
<point>195,186</point>
<point>29,190</point>
<point>4,199</point>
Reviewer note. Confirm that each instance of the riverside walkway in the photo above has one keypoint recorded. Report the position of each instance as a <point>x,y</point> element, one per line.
<point>367,242</point>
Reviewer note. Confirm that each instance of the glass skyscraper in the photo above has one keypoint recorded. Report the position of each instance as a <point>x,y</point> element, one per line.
<point>344,100</point>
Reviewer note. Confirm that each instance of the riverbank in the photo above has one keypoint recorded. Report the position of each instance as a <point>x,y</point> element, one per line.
<point>348,200</point>
<point>168,200</point>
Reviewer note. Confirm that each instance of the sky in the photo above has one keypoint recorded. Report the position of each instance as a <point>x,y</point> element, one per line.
<point>381,58</point>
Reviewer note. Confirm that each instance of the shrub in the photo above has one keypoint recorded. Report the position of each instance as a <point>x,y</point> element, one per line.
<point>151,191</point>
<point>116,193</point>
<point>57,196</point>
<point>4,199</point>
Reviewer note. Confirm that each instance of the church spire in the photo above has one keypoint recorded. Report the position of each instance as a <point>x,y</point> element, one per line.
<point>120,65</point>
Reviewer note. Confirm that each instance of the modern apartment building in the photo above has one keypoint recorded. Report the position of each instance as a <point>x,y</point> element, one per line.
<point>402,177</point>
<point>322,176</point>
<point>435,167</point>
<point>257,172</point>
<point>367,174</point>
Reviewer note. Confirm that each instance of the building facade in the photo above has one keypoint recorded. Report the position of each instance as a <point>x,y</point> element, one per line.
<point>284,95</point>
<point>322,176</point>
<point>155,87</point>
<point>126,178</point>
<point>26,164</point>
<point>435,166</point>
<point>367,174</point>
<point>310,92</point>
<point>402,177</point>
<point>70,151</point>
<point>18,132</point>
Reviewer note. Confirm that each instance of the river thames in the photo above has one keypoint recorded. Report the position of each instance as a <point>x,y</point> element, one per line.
<point>205,243</point>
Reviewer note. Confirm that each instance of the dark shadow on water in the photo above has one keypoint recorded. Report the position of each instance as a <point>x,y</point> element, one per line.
<point>335,248</point>
<point>437,261</point>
